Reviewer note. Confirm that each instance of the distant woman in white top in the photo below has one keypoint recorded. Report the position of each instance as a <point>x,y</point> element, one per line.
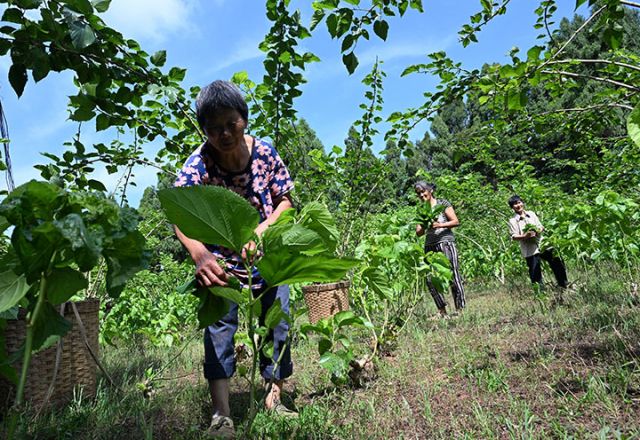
<point>530,239</point>
<point>440,238</point>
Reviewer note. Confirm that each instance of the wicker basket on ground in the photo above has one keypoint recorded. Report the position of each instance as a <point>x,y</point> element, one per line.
<point>59,369</point>
<point>325,300</point>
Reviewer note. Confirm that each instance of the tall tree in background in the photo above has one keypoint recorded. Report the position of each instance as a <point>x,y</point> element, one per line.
<point>366,173</point>
<point>155,227</point>
<point>398,181</point>
<point>571,144</point>
<point>300,160</point>
<point>304,141</point>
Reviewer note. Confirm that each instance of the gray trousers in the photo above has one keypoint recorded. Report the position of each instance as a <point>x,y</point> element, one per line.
<point>448,248</point>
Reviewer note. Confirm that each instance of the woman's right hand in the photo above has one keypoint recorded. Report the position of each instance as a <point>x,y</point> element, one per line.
<point>208,271</point>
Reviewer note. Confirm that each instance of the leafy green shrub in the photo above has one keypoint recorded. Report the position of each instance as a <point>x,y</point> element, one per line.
<point>392,280</point>
<point>150,307</point>
<point>335,347</point>
<point>156,228</point>
<point>58,236</point>
<point>297,248</point>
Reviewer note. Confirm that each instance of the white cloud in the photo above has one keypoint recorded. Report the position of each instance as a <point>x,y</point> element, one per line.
<point>247,50</point>
<point>53,127</point>
<point>390,52</point>
<point>21,175</point>
<point>387,52</point>
<point>155,20</point>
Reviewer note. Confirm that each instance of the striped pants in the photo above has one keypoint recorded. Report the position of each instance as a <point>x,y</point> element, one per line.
<point>448,248</point>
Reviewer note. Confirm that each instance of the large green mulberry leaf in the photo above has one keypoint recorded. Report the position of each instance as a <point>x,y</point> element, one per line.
<point>316,216</point>
<point>295,238</point>
<point>13,288</point>
<point>210,214</point>
<point>284,267</point>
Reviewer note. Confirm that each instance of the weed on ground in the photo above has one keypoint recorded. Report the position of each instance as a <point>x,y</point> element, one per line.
<point>509,367</point>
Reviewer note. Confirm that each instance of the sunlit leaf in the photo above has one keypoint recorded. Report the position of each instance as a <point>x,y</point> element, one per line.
<point>633,125</point>
<point>101,5</point>
<point>516,100</point>
<point>333,363</point>
<point>322,327</point>
<point>613,37</point>
<point>12,289</point>
<point>159,58</point>
<point>284,267</point>
<point>211,215</point>
<point>82,34</point>
<point>267,350</point>
<point>375,279</point>
<point>294,238</point>
<point>316,216</point>
<point>233,295</point>
<point>534,53</point>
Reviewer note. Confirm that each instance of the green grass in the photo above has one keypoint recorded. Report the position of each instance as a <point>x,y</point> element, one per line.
<point>510,367</point>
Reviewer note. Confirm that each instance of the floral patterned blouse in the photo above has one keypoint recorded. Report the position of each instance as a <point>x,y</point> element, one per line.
<point>264,180</point>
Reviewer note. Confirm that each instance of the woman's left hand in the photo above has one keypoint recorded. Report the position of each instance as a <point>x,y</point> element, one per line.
<point>437,225</point>
<point>250,252</point>
<point>260,229</point>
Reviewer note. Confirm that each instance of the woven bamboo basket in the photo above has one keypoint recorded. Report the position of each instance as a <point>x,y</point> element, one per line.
<point>76,367</point>
<point>325,300</point>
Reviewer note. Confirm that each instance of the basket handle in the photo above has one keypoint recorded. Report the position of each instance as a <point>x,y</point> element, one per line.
<point>83,332</point>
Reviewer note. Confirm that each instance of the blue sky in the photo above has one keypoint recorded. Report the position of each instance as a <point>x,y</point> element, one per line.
<point>215,38</point>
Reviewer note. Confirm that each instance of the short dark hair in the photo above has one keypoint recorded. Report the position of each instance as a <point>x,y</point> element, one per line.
<point>514,199</point>
<point>424,186</point>
<point>217,96</point>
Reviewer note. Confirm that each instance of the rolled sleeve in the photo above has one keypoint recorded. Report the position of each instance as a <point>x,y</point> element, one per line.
<point>513,228</point>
